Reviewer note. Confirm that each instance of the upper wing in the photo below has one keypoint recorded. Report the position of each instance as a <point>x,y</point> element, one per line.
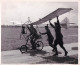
<point>52,15</point>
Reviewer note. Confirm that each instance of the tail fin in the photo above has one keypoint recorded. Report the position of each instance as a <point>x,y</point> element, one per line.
<point>65,23</point>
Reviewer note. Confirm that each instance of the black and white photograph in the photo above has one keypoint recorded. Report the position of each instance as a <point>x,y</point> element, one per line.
<point>39,32</point>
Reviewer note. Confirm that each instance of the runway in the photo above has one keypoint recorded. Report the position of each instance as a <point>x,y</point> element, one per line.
<point>41,57</point>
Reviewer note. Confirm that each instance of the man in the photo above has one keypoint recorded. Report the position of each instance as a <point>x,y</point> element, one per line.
<point>50,37</point>
<point>59,37</point>
<point>23,29</point>
<point>33,35</point>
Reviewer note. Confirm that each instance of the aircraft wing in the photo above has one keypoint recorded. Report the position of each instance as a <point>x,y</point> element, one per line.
<point>52,15</point>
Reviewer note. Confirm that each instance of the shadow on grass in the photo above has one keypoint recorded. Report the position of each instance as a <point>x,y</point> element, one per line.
<point>67,59</point>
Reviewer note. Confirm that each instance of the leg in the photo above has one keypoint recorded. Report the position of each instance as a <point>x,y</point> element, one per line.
<point>61,45</point>
<point>55,48</point>
<point>50,43</point>
<point>32,43</point>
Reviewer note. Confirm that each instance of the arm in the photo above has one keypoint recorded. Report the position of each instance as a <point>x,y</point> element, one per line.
<point>58,20</point>
<point>51,24</point>
<point>29,31</point>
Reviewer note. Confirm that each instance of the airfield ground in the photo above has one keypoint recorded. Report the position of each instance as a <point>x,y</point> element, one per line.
<point>10,37</point>
<point>41,57</point>
<point>10,41</point>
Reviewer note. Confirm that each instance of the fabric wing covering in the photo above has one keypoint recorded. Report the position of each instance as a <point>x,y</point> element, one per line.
<point>52,15</point>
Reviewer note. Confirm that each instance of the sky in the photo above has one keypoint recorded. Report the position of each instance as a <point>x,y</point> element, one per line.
<point>19,12</point>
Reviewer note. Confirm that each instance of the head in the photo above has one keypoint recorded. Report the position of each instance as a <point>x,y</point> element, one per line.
<point>47,24</point>
<point>30,25</point>
<point>56,24</point>
<point>46,27</point>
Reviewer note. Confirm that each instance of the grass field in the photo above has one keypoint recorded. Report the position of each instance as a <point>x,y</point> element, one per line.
<point>10,37</point>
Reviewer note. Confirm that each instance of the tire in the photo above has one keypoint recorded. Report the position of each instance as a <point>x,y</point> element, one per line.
<point>28,47</point>
<point>23,49</point>
<point>39,45</point>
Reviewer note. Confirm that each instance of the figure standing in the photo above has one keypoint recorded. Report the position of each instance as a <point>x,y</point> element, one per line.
<point>50,37</point>
<point>23,29</point>
<point>59,37</point>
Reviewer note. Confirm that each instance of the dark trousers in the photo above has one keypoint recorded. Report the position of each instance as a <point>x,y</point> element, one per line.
<point>51,42</point>
<point>33,43</point>
<point>60,42</point>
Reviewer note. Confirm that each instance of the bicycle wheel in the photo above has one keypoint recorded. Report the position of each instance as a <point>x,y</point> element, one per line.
<point>23,49</point>
<point>39,45</point>
<point>28,47</point>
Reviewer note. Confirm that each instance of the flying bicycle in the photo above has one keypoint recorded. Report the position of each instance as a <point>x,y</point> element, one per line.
<point>26,47</point>
<point>52,15</point>
<point>38,43</point>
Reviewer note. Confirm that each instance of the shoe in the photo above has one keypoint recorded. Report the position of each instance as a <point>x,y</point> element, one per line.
<point>66,53</point>
<point>55,55</point>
